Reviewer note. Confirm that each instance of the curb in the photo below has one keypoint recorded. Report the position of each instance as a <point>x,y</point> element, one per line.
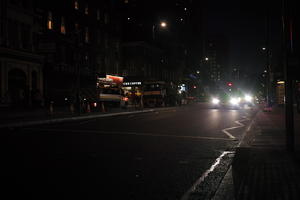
<point>225,189</point>
<point>69,119</point>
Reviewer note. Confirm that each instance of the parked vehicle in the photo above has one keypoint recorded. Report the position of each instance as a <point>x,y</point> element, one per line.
<point>154,93</point>
<point>113,97</point>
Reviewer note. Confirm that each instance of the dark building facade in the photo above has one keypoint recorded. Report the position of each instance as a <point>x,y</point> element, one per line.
<point>21,67</point>
<point>80,41</point>
<point>57,48</point>
<point>145,62</point>
<point>215,62</point>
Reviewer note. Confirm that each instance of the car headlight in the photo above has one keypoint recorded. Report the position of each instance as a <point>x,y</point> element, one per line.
<point>248,98</point>
<point>215,101</point>
<point>235,101</point>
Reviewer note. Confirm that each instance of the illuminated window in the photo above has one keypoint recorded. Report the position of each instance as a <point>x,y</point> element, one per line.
<point>76,5</point>
<point>86,10</point>
<point>76,26</point>
<point>49,21</point>
<point>86,37</point>
<point>62,26</point>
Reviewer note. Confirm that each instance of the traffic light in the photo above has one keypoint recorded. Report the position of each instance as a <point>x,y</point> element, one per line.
<point>229,84</point>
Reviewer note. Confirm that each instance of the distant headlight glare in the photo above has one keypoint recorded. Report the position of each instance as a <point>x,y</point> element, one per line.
<point>215,101</point>
<point>234,101</point>
<point>248,98</point>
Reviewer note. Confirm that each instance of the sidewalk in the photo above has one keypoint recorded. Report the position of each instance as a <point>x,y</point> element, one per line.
<point>12,119</point>
<point>262,168</point>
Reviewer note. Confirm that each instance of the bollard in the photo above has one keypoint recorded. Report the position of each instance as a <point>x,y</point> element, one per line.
<point>72,108</point>
<point>88,108</point>
<point>142,103</point>
<point>102,107</point>
<point>51,108</point>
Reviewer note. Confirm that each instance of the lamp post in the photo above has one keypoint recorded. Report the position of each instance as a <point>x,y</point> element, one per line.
<point>287,42</point>
<point>76,38</point>
<point>162,24</point>
<point>268,74</point>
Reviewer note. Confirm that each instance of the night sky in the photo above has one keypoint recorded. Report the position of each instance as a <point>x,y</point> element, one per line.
<point>244,24</point>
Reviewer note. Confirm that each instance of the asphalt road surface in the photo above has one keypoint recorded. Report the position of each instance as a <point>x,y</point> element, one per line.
<point>159,155</point>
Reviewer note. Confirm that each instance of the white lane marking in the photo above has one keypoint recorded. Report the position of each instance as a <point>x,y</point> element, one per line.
<point>228,134</point>
<point>128,133</point>
<point>204,175</point>
<point>240,125</point>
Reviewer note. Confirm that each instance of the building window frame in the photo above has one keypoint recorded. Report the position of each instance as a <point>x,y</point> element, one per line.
<point>76,5</point>
<point>86,35</point>
<point>50,21</point>
<point>86,9</point>
<point>63,26</point>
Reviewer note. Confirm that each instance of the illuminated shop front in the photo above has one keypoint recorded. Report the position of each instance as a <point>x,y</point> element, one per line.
<point>110,89</point>
<point>133,91</point>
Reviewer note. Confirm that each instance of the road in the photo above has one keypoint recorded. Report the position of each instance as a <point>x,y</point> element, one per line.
<point>158,155</point>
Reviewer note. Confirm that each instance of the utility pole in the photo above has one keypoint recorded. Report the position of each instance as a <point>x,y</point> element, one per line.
<point>77,41</point>
<point>268,57</point>
<point>287,52</point>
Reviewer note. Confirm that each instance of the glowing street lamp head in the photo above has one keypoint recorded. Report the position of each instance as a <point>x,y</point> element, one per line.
<point>163,24</point>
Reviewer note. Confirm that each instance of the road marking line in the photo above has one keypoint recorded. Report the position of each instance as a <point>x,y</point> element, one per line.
<point>128,133</point>
<point>225,130</point>
<point>228,134</point>
<point>204,175</point>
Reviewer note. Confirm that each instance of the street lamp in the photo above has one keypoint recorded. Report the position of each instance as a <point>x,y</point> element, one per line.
<point>162,24</point>
<point>268,73</point>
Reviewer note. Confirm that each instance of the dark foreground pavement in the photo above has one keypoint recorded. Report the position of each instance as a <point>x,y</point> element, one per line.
<point>262,168</point>
<point>180,153</point>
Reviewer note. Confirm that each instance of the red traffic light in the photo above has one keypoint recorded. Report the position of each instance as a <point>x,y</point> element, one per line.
<point>229,84</point>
